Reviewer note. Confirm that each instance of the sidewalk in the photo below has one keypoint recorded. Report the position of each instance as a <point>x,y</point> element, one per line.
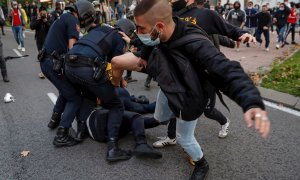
<point>256,59</point>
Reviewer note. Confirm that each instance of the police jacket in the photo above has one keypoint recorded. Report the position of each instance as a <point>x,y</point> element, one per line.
<point>202,62</point>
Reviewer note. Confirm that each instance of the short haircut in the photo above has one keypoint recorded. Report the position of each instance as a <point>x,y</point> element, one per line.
<point>144,6</point>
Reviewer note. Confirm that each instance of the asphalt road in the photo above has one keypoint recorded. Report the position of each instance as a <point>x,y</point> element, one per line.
<point>242,155</point>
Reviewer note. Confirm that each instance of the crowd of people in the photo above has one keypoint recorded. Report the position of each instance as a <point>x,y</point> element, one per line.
<point>175,42</point>
<point>264,19</point>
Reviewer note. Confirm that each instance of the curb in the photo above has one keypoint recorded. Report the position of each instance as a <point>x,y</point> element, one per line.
<point>280,98</point>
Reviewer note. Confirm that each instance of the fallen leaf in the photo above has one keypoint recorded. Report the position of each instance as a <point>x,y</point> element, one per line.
<point>24,153</point>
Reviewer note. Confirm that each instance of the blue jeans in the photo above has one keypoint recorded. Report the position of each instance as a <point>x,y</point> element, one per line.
<point>18,34</point>
<point>281,34</point>
<point>266,34</point>
<point>185,129</point>
<point>67,94</point>
<point>103,89</point>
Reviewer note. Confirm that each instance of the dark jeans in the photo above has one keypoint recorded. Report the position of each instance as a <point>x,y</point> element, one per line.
<point>291,29</point>
<point>68,100</point>
<point>266,33</point>
<point>130,105</point>
<point>103,89</point>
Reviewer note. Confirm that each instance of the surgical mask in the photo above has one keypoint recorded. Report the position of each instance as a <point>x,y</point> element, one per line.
<point>147,39</point>
<point>236,7</point>
<point>178,5</point>
<point>281,9</point>
<point>19,7</point>
<point>250,7</point>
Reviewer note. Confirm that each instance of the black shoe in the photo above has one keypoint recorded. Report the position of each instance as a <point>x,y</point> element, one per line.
<point>127,78</point>
<point>63,138</point>
<point>248,45</point>
<point>3,34</point>
<point>286,43</point>
<point>201,170</point>
<point>5,78</point>
<point>142,100</point>
<point>294,42</point>
<point>144,150</point>
<point>81,131</point>
<point>114,153</point>
<point>55,119</point>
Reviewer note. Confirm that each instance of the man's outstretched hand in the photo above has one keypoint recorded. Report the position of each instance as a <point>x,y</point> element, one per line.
<point>262,122</point>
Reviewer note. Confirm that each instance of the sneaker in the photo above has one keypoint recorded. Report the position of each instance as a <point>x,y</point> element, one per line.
<point>277,46</point>
<point>224,129</point>
<point>267,49</point>
<point>23,49</point>
<point>165,141</point>
<point>248,45</point>
<point>237,50</point>
<point>19,47</point>
<point>41,75</point>
<point>293,42</point>
<point>201,170</point>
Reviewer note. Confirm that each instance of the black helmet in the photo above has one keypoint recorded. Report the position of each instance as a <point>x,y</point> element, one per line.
<point>86,12</point>
<point>125,25</point>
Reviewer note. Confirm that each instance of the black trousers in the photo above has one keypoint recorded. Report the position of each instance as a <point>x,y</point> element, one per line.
<point>2,61</point>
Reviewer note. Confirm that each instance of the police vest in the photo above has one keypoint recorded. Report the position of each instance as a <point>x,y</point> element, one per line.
<point>96,39</point>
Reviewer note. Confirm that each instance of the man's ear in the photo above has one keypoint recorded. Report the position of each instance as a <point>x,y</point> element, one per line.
<point>160,26</point>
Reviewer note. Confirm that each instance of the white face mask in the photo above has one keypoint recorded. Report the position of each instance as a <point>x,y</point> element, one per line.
<point>147,40</point>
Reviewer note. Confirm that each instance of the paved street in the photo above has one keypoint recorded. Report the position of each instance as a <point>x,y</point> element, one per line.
<point>242,155</point>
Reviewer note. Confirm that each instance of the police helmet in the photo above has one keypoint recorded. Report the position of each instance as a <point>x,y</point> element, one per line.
<point>86,12</point>
<point>125,25</point>
<point>96,3</point>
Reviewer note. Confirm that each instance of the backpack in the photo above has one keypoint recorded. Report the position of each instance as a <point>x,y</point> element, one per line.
<point>184,87</point>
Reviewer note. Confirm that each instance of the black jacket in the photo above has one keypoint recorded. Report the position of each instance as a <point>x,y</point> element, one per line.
<point>227,76</point>
<point>282,16</point>
<point>263,19</point>
<point>41,30</point>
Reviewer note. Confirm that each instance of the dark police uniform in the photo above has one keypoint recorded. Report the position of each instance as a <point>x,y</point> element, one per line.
<point>86,64</point>
<point>57,40</point>
<point>3,63</point>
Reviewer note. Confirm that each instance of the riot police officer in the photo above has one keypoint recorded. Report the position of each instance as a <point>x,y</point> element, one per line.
<point>86,65</point>
<point>61,37</point>
<point>3,64</point>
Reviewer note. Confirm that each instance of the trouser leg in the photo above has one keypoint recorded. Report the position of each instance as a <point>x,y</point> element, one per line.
<point>172,128</point>
<point>186,138</point>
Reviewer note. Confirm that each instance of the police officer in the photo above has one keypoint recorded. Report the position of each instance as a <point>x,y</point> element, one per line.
<point>85,66</point>
<point>61,37</point>
<point>57,12</point>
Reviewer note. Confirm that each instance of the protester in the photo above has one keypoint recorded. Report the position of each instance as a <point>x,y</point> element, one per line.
<point>280,19</point>
<point>157,28</point>
<point>33,10</point>
<point>27,9</point>
<point>263,26</point>
<point>3,64</point>
<point>251,19</point>
<point>120,10</point>
<point>292,18</point>
<point>220,9</point>
<point>237,17</point>
<point>18,23</point>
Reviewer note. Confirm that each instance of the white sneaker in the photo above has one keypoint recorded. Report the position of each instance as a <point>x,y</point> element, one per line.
<point>23,49</point>
<point>224,129</point>
<point>277,46</point>
<point>166,141</point>
<point>19,47</point>
<point>237,50</point>
<point>267,49</point>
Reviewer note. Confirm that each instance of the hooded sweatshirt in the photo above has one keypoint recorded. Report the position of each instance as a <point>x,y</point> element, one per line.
<point>236,16</point>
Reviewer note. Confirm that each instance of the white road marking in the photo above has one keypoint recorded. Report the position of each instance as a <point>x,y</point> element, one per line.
<point>17,52</point>
<point>52,97</point>
<point>282,108</point>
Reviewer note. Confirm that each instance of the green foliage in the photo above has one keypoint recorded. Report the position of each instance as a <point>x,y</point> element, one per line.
<point>285,77</point>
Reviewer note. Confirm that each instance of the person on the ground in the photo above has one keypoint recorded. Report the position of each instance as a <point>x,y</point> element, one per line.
<point>237,17</point>
<point>41,26</point>
<point>62,35</point>
<point>280,19</point>
<point>85,66</point>
<point>156,27</point>
<point>251,19</point>
<point>18,23</point>
<point>263,26</point>
<point>292,19</point>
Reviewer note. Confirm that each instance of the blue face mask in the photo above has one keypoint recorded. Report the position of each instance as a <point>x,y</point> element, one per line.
<point>147,40</point>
